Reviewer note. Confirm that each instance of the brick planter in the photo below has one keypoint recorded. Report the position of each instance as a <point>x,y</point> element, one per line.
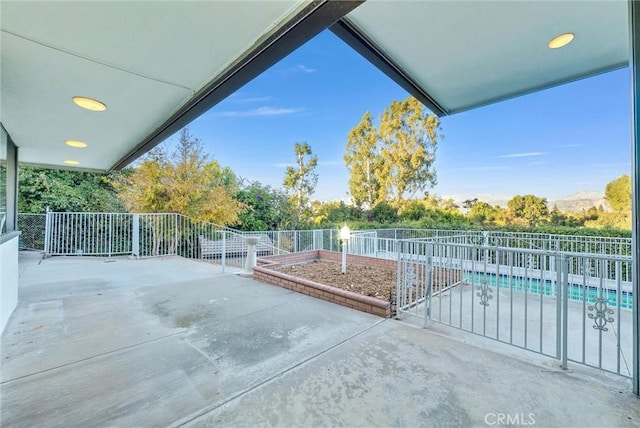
<point>268,270</point>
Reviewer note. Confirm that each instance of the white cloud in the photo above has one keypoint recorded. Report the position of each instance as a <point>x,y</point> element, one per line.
<point>238,99</point>
<point>609,165</point>
<point>522,155</point>
<point>260,111</point>
<point>282,164</point>
<point>300,68</point>
<point>303,68</point>
<point>569,145</point>
<point>320,163</point>
<point>479,168</point>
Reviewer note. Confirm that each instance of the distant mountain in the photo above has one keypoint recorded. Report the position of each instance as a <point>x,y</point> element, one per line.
<point>585,194</point>
<point>581,201</point>
<point>489,198</point>
<point>575,202</point>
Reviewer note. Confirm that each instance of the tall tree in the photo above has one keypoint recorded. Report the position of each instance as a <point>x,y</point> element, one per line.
<point>530,208</point>
<point>362,158</point>
<point>184,182</point>
<point>618,194</point>
<point>409,138</point>
<point>300,180</point>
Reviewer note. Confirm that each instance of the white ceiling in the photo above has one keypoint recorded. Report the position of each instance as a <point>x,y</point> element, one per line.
<point>144,60</point>
<point>465,54</point>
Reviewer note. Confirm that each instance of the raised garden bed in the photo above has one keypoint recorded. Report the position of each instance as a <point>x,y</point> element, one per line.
<point>302,272</point>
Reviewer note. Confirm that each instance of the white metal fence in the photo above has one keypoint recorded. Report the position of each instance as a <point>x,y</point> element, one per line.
<point>173,234</point>
<point>571,306</point>
<point>533,241</point>
<point>152,235</point>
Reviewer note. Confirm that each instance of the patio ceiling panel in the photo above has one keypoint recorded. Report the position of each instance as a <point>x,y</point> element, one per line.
<point>455,56</point>
<point>145,60</point>
<point>39,114</point>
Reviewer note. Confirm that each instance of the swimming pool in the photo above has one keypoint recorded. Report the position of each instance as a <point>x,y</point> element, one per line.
<point>548,288</point>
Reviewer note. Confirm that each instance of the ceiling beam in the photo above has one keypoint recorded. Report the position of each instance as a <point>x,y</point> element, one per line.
<point>306,24</point>
<point>355,38</point>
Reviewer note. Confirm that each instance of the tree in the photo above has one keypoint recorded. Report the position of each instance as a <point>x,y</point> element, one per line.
<point>618,194</point>
<point>300,181</point>
<point>443,219</point>
<point>362,159</point>
<point>556,217</point>
<point>449,205</point>
<point>334,213</point>
<point>530,208</point>
<point>412,210</point>
<point>483,213</point>
<point>384,213</point>
<point>61,190</point>
<point>265,208</point>
<point>184,182</point>
<point>408,138</point>
<point>469,203</point>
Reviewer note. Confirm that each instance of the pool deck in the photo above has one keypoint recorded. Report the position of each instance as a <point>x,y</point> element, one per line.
<point>173,342</point>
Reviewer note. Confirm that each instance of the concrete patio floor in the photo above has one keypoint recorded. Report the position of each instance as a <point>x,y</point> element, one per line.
<point>173,342</point>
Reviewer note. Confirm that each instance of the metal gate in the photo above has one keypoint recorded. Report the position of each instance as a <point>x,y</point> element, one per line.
<point>570,306</point>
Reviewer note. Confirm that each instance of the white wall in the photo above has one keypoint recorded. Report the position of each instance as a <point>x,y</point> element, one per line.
<point>8,277</point>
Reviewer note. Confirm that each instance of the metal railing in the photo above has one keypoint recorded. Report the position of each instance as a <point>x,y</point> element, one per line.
<point>294,241</point>
<point>153,235</point>
<point>570,306</point>
<point>539,241</point>
<point>164,234</point>
<point>567,297</point>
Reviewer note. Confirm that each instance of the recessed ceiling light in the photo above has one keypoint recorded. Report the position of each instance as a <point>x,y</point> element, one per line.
<point>89,103</point>
<point>75,143</point>
<point>560,41</point>
<point>71,162</point>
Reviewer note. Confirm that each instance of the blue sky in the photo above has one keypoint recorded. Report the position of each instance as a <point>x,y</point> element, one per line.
<point>551,144</point>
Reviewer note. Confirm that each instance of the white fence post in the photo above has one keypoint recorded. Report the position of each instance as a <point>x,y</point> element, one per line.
<point>110,232</point>
<point>175,242</point>
<point>428,281</point>
<point>224,250</point>
<point>279,247</point>
<point>135,236</point>
<point>564,266</point>
<point>47,232</point>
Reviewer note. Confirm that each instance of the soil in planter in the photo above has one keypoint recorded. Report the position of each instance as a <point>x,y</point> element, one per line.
<point>365,280</point>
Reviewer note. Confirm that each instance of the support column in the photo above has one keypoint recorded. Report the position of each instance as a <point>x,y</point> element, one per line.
<point>634,67</point>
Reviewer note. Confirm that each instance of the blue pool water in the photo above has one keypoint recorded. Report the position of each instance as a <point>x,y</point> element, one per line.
<point>548,288</point>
